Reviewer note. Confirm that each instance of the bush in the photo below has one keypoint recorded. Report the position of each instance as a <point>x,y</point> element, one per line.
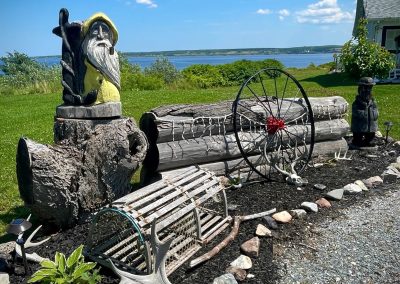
<point>163,68</point>
<point>204,76</point>
<point>24,75</point>
<point>269,63</point>
<point>132,77</point>
<point>361,57</point>
<point>239,71</point>
<point>19,63</point>
<point>71,270</point>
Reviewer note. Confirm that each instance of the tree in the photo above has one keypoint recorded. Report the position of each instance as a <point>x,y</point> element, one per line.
<point>361,57</point>
<point>163,68</point>
<point>19,63</point>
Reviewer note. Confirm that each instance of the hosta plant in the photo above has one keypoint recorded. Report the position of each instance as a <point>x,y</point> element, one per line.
<point>67,270</point>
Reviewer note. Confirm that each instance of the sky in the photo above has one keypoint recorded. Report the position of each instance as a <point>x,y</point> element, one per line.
<point>160,25</point>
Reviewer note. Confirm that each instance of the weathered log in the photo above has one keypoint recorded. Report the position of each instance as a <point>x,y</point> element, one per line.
<point>180,122</point>
<point>218,147</point>
<point>91,164</point>
<point>236,167</point>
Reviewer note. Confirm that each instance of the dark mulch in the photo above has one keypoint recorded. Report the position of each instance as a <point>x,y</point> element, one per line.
<point>253,199</point>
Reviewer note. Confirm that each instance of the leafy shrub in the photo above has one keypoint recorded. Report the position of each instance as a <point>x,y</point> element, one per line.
<point>269,63</point>
<point>19,63</point>
<point>132,77</point>
<point>70,270</point>
<point>361,57</point>
<point>204,76</point>
<point>163,68</point>
<point>237,72</point>
<point>23,75</point>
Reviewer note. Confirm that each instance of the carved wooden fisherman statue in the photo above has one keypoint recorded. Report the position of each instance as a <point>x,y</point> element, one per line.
<point>364,118</point>
<point>89,61</point>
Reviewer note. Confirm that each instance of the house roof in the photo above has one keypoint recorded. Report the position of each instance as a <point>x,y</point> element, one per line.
<point>377,10</point>
<point>381,9</point>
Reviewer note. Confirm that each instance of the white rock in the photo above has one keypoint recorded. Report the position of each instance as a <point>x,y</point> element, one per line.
<point>263,231</point>
<point>352,188</point>
<point>336,194</point>
<point>4,278</point>
<point>243,262</point>
<point>282,217</point>
<point>396,144</point>
<point>225,279</point>
<point>251,247</point>
<point>298,213</point>
<point>395,165</point>
<point>361,185</point>
<point>310,206</point>
<point>398,159</point>
<point>378,134</point>
<point>250,276</point>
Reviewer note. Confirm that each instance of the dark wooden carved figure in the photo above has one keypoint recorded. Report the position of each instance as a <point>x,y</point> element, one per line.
<point>90,65</point>
<point>364,118</point>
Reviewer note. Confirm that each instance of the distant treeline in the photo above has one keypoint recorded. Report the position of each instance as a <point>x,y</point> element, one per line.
<point>242,51</point>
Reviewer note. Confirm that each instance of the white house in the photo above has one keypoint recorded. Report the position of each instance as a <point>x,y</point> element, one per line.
<point>383,18</point>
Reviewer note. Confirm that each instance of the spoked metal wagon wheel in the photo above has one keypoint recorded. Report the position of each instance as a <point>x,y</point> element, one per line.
<point>273,123</point>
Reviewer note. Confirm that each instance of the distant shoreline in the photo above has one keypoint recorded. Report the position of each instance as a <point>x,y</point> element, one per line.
<point>236,51</point>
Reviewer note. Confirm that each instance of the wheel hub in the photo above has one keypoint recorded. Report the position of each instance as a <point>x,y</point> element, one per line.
<point>274,124</point>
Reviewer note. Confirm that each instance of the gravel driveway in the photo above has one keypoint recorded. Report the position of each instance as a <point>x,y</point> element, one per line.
<point>362,245</point>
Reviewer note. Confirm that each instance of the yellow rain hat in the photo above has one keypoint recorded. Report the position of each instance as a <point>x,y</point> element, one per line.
<point>100,17</point>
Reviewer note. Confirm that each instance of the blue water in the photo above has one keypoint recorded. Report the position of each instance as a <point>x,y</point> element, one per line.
<point>181,62</point>
<point>289,60</point>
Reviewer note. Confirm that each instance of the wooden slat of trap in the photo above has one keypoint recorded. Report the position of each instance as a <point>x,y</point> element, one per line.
<point>179,201</point>
<point>212,191</point>
<point>132,197</point>
<point>176,192</point>
<point>154,197</point>
<point>209,224</point>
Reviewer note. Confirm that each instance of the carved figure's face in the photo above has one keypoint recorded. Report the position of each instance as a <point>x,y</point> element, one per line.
<point>365,91</point>
<point>101,31</point>
<point>99,51</point>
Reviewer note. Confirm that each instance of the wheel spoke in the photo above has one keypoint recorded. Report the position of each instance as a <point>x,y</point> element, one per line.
<point>290,105</point>
<point>265,93</point>
<point>283,94</point>
<point>258,99</point>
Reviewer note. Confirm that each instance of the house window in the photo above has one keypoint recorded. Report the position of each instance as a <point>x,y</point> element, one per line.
<point>389,36</point>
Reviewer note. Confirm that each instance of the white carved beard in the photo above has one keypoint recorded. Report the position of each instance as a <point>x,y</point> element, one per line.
<point>98,54</point>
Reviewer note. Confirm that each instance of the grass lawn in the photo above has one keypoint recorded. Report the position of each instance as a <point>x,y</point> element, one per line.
<point>32,116</point>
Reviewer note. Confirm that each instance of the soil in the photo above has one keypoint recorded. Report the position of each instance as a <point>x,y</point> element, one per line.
<point>253,199</point>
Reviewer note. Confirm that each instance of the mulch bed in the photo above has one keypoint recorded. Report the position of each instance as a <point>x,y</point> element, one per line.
<point>253,199</point>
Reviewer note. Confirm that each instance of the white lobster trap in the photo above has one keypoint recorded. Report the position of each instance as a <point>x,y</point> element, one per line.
<point>191,208</point>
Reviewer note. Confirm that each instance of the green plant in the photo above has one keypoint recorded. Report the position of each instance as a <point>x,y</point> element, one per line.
<point>23,75</point>
<point>163,68</point>
<point>133,78</point>
<point>15,63</point>
<point>70,270</point>
<point>361,57</point>
<point>204,76</point>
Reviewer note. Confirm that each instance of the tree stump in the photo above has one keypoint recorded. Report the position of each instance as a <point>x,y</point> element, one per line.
<point>90,165</point>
